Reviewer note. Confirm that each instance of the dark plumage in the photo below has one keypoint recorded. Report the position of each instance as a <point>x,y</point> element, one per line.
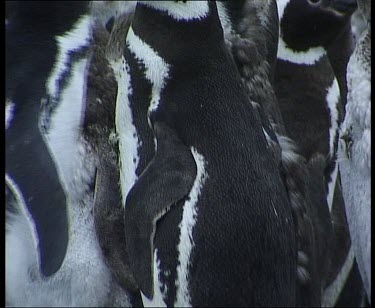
<point>314,48</point>
<point>243,230</point>
<point>253,45</point>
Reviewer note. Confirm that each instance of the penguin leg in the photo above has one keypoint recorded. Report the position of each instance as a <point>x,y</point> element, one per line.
<point>167,179</point>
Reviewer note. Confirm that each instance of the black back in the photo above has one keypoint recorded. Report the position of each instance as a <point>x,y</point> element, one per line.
<point>244,253</point>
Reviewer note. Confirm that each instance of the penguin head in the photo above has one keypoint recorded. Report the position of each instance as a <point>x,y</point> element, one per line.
<point>313,23</point>
<point>180,9</point>
<point>337,7</point>
<point>177,25</point>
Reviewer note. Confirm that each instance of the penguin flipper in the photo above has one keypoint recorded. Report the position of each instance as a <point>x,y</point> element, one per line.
<point>167,179</point>
<point>44,199</point>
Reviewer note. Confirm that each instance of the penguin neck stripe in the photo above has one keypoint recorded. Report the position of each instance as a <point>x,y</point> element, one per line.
<point>186,244</point>
<point>309,57</point>
<point>128,137</point>
<point>333,100</point>
<point>157,71</point>
<point>180,11</point>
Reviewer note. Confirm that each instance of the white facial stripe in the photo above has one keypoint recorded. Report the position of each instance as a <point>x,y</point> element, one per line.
<point>186,244</point>
<point>333,99</point>
<point>9,109</point>
<point>156,69</point>
<point>179,10</point>
<point>309,57</point>
<point>157,300</point>
<point>281,5</point>
<point>78,37</point>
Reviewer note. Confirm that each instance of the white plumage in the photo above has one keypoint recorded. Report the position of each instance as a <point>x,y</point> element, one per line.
<point>355,154</point>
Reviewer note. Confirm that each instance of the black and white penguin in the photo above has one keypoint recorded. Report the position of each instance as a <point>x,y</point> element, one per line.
<point>207,219</point>
<point>311,35</point>
<point>53,257</point>
<point>304,74</point>
<point>355,150</point>
<point>252,37</point>
<point>309,98</point>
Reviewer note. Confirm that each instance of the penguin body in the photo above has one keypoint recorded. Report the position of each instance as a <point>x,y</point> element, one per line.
<point>313,51</point>
<point>305,83</point>
<point>355,151</point>
<point>202,242</point>
<point>52,107</point>
<point>253,43</point>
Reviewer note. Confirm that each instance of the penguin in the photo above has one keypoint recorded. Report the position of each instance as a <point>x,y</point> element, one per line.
<point>183,121</point>
<point>307,49</point>
<point>253,39</point>
<point>355,150</point>
<point>53,257</point>
<point>302,50</point>
<point>305,84</point>
<point>99,129</point>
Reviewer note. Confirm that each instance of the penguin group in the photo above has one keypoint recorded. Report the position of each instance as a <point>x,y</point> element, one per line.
<point>188,153</point>
<point>53,255</point>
